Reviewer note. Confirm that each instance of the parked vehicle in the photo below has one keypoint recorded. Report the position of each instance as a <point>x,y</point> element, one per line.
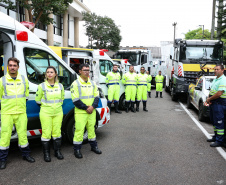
<point>189,58</point>
<point>99,62</point>
<point>197,95</point>
<point>35,56</point>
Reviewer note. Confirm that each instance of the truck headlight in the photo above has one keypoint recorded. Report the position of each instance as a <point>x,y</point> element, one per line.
<point>101,93</point>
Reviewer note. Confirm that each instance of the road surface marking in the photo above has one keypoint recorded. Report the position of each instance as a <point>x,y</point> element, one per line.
<point>219,149</point>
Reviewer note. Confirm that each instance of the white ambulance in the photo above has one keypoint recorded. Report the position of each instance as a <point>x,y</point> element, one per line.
<point>100,64</point>
<point>35,56</point>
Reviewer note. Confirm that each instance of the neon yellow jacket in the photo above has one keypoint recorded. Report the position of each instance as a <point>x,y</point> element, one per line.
<point>149,78</point>
<point>13,94</point>
<point>50,98</point>
<point>129,79</point>
<point>112,78</point>
<point>142,79</point>
<point>159,79</point>
<point>84,91</point>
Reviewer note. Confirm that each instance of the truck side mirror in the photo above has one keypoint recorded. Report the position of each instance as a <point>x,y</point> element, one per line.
<point>170,57</point>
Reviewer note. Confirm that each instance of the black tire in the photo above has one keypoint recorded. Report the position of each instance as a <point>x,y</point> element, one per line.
<point>173,95</point>
<point>122,104</point>
<point>70,130</point>
<point>189,105</point>
<point>201,113</point>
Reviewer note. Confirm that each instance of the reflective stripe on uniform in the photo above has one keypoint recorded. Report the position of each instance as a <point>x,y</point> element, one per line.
<point>93,139</point>
<point>80,91</point>
<point>51,101</point>
<point>13,96</point>
<point>77,142</point>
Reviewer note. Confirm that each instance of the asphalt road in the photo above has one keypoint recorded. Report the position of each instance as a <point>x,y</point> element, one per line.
<point>163,146</point>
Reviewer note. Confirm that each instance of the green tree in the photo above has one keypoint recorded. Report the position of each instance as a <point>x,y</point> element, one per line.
<point>198,34</point>
<point>39,10</point>
<point>221,24</point>
<point>102,32</point>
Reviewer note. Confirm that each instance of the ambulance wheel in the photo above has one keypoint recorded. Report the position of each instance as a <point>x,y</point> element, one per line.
<point>189,105</point>
<point>122,102</point>
<point>201,113</point>
<point>71,130</point>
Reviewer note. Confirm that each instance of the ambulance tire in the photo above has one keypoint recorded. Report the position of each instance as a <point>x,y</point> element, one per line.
<point>70,130</point>
<point>122,100</point>
<point>201,113</point>
<point>189,105</point>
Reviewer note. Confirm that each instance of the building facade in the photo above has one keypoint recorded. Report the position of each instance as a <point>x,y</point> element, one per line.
<point>65,30</point>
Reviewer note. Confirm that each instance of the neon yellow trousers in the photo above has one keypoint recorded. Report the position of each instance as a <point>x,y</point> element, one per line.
<point>113,92</point>
<point>51,126</point>
<point>159,87</point>
<point>83,121</point>
<point>7,121</point>
<point>149,87</point>
<point>130,92</point>
<point>142,92</point>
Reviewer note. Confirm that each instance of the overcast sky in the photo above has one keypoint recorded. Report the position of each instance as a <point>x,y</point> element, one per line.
<point>147,22</point>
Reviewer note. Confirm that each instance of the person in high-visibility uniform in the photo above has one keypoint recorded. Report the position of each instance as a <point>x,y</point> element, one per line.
<point>217,105</point>
<point>50,97</point>
<point>159,84</point>
<point>112,82</point>
<point>142,81</point>
<point>149,84</point>
<point>130,81</point>
<point>85,96</point>
<point>14,91</point>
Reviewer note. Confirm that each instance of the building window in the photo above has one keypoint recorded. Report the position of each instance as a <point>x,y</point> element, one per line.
<point>57,25</point>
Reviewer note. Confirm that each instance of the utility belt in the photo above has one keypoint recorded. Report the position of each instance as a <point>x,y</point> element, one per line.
<point>113,84</point>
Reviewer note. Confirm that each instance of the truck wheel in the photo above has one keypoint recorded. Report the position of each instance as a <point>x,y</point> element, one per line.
<point>201,113</point>
<point>173,95</point>
<point>71,130</point>
<point>122,100</point>
<point>189,105</point>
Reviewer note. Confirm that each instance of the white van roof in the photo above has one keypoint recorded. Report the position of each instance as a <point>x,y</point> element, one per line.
<point>9,23</point>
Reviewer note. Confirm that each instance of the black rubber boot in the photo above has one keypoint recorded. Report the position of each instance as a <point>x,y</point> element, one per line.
<point>145,106</point>
<point>57,146</point>
<point>94,147</point>
<point>160,94</point>
<point>77,151</point>
<point>109,105</point>
<point>2,165</point>
<point>127,107</point>
<point>137,106</point>
<point>116,108</point>
<point>3,158</point>
<point>46,151</point>
<point>157,94</point>
<point>132,107</point>
<point>149,94</point>
<point>26,154</point>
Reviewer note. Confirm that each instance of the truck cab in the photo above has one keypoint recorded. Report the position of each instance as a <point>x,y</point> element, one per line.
<point>189,58</point>
<point>35,56</point>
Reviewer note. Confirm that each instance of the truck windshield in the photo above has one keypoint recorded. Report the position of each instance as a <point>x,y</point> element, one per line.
<point>201,53</point>
<point>132,57</point>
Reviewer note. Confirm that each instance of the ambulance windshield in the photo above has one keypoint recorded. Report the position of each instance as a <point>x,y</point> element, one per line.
<point>133,58</point>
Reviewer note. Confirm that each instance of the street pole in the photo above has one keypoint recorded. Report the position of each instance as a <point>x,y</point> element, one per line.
<point>202,31</point>
<point>174,25</point>
<point>213,19</point>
